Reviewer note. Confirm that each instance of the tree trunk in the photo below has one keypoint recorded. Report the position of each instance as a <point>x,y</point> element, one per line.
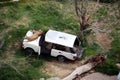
<point>79,70</point>
<point>89,64</point>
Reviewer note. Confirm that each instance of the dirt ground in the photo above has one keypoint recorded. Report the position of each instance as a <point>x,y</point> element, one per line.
<point>58,69</point>
<point>99,76</point>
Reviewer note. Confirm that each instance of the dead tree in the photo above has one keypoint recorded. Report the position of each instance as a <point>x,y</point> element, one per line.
<point>91,63</point>
<point>81,13</point>
<point>83,17</point>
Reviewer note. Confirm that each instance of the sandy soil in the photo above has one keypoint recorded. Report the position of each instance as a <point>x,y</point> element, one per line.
<point>55,68</point>
<point>99,76</point>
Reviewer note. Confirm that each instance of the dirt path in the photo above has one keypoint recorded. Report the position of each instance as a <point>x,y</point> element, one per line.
<point>100,35</point>
<point>99,76</point>
<point>55,68</point>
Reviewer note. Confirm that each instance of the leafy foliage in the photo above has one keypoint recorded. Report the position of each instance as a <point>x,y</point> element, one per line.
<point>108,68</point>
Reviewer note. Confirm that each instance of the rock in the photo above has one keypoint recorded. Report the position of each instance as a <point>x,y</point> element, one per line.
<point>16,0</point>
<point>42,79</point>
<point>118,65</point>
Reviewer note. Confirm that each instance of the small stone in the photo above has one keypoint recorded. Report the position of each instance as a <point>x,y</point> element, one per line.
<point>42,79</point>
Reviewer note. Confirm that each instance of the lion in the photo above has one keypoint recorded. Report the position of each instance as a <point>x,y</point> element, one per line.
<point>35,35</point>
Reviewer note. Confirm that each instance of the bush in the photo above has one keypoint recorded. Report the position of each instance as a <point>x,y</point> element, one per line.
<point>107,68</point>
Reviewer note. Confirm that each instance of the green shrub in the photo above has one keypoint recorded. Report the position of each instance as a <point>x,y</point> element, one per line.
<point>108,68</point>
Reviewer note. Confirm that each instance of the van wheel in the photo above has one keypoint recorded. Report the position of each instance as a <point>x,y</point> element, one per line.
<point>61,58</point>
<point>29,51</point>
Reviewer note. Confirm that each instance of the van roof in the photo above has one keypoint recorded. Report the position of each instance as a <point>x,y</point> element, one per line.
<point>60,38</point>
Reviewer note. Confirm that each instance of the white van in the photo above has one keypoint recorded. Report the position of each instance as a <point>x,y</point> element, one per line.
<point>54,43</point>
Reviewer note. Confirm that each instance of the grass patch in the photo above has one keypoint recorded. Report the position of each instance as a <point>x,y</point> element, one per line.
<point>16,34</point>
<point>37,63</point>
<point>3,27</point>
<point>28,73</point>
<point>91,49</point>
<point>8,74</point>
<point>101,13</point>
<point>115,47</point>
<point>34,73</point>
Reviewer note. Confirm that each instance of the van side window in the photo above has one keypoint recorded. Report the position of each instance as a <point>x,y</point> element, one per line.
<point>49,46</point>
<point>59,47</point>
<point>66,49</point>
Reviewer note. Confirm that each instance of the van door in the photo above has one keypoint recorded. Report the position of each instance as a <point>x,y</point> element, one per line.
<point>68,55</point>
<point>56,53</point>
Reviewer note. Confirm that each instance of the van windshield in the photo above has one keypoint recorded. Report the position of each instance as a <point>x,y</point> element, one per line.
<point>77,42</point>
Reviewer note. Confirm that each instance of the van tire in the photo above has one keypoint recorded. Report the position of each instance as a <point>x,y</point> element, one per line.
<point>29,51</point>
<point>61,58</point>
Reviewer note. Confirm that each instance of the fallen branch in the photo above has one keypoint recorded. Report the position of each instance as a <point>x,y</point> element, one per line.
<point>90,64</point>
<point>79,71</point>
